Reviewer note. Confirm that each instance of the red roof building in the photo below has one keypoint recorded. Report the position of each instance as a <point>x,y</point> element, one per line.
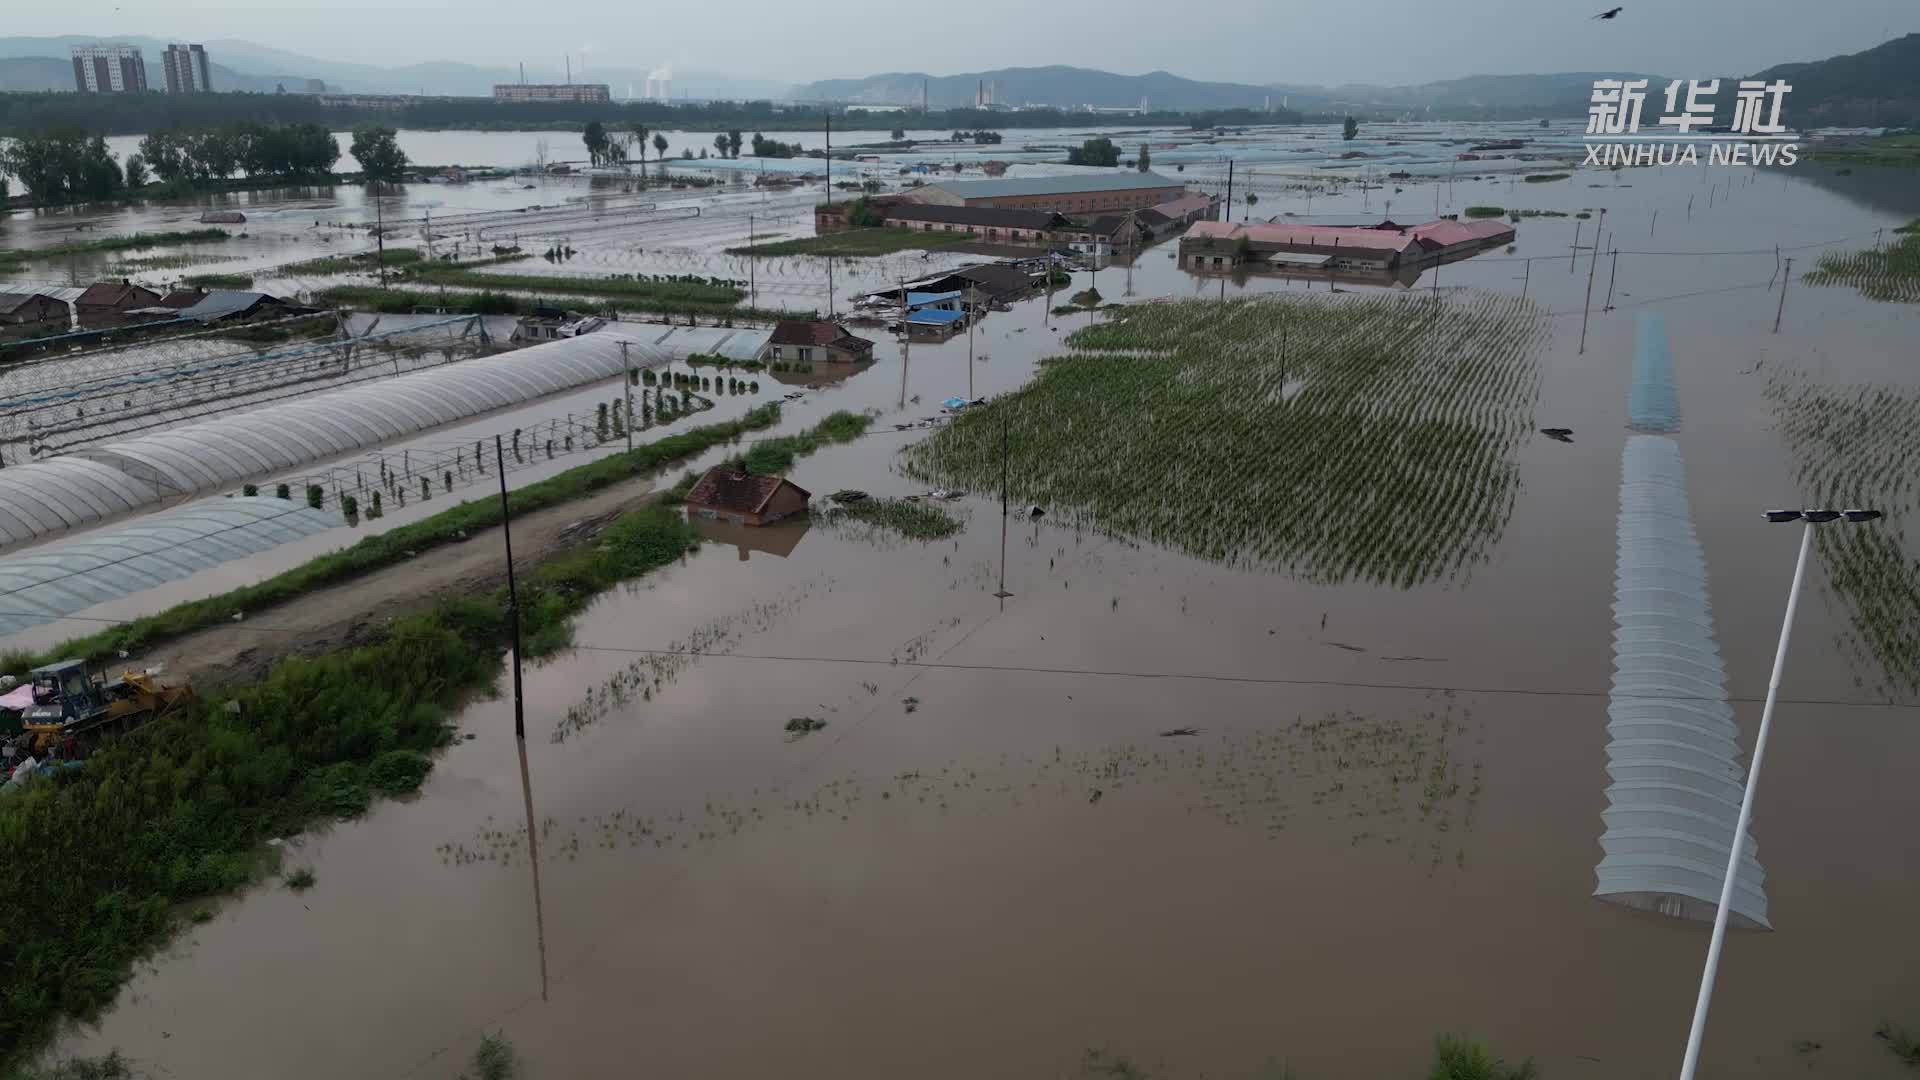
<point>108,299</point>
<point>731,493</point>
<point>805,341</point>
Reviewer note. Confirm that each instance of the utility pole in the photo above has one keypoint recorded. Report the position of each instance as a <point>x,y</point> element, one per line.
<point>973,310</point>
<point>827,110</point>
<point>626,372</point>
<point>1526,277</point>
<point>1612,276</point>
<point>1229,189</point>
<point>428,232</point>
<point>1003,593</point>
<point>1587,309</point>
<point>513,594</point>
<point>1573,253</point>
<point>753,288</point>
<point>1778,311</point>
<point>379,230</point>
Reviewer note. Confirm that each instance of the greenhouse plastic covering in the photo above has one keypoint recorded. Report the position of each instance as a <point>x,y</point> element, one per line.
<point>1653,405</point>
<point>1673,751</point>
<point>109,478</point>
<point>45,583</point>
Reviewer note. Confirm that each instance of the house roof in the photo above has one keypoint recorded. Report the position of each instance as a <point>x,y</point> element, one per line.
<point>820,332</point>
<point>11,301</point>
<point>996,279</point>
<point>1329,237</point>
<point>920,299</point>
<point>935,317</point>
<point>114,294</point>
<point>991,217</point>
<point>1445,233</point>
<point>1174,209</point>
<point>183,298</point>
<point>222,303</point>
<point>728,487</point>
<point>1053,185</point>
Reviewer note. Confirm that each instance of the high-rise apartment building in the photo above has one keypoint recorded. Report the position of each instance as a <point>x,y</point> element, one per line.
<point>187,70</point>
<point>109,69</point>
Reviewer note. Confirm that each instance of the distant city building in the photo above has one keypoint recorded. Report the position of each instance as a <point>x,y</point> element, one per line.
<point>316,86</point>
<point>578,93</point>
<point>109,69</point>
<point>187,70</point>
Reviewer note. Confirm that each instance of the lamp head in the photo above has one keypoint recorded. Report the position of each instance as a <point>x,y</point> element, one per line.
<point>1777,516</point>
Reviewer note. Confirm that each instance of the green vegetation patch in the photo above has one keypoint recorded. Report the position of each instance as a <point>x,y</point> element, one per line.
<point>1890,273</point>
<point>690,294</point>
<point>131,242</point>
<point>1359,438</point>
<point>1856,446</point>
<point>220,281</point>
<point>1456,1058</point>
<point>1485,211</point>
<point>347,264</point>
<point>915,520</point>
<point>858,243</point>
<point>1545,177</point>
<point>1896,150</point>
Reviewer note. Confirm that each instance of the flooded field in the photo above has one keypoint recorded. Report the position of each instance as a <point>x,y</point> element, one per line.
<point>1201,810</point>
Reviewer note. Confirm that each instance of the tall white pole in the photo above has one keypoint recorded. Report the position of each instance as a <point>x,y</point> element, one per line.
<point>1700,1007</point>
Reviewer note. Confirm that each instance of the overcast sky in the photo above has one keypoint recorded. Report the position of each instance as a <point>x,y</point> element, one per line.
<point>1262,41</point>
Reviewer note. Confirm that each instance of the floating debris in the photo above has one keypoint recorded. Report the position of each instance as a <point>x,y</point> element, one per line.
<point>802,725</point>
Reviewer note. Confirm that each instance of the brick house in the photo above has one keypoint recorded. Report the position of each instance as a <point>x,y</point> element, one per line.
<point>26,309</point>
<point>109,301</point>
<point>730,493</point>
<point>805,341</point>
<point>1023,228</point>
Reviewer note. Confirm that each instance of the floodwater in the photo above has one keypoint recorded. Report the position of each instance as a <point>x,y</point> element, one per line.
<point>992,859</point>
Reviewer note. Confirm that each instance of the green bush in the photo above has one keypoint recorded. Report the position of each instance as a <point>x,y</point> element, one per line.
<point>1485,211</point>
<point>397,772</point>
<point>1463,1059</point>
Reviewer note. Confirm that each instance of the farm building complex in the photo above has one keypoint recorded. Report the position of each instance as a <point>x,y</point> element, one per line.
<point>1222,246</point>
<point>1104,193</point>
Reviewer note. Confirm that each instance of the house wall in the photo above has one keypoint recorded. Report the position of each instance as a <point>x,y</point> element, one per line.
<point>1085,202</point>
<point>39,309</point>
<point>786,502</point>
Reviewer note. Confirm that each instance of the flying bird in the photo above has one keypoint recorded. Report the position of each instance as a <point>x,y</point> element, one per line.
<point>1610,13</point>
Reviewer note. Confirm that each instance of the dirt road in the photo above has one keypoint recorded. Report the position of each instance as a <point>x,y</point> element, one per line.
<point>342,615</point>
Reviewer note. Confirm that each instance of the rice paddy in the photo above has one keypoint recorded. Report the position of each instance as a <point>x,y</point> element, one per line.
<point>914,520</point>
<point>1352,439</point>
<point>1856,447</point>
<point>1890,273</point>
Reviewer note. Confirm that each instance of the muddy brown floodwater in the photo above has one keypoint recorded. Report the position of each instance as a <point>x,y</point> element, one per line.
<point>994,856</point>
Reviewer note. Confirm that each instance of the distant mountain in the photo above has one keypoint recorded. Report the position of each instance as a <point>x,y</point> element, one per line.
<point>1059,86</point>
<point>1878,87</point>
<point>1564,93</point>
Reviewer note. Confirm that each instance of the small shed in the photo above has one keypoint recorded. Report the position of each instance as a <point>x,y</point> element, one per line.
<point>731,493</point>
<point>106,301</point>
<point>27,308</point>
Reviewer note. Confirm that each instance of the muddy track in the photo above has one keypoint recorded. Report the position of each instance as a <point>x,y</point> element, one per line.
<point>348,614</point>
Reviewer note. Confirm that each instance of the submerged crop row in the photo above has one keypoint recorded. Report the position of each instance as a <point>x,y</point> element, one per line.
<point>1351,439</point>
<point>1886,273</point>
<point>1856,446</point>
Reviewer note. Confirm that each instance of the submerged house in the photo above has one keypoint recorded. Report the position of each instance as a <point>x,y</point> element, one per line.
<point>28,308</point>
<point>805,341</point>
<point>1220,245</point>
<point>109,301</point>
<point>731,493</point>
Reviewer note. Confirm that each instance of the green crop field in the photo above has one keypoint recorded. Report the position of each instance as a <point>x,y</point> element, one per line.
<point>1856,447</point>
<point>1890,272</point>
<point>1343,439</point>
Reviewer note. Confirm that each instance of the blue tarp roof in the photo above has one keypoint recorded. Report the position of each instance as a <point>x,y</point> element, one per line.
<point>915,299</point>
<point>933,317</point>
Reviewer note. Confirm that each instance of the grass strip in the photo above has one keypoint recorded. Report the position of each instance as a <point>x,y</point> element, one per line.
<point>183,808</point>
<point>113,243</point>
<point>858,243</point>
<point>220,281</point>
<point>398,301</point>
<point>692,293</point>
<point>347,264</point>
<point>913,520</point>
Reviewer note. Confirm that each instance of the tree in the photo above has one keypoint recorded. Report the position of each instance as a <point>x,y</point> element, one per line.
<point>136,172</point>
<point>640,137</point>
<point>1146,158</point>
<point>379,154</point>
<point>660,151</point>
<point>5,194</point>
<point>733,142</point>
<point>63,167</point>
<point>720,144</point>
<point>166,155</point>
<point>1252,198</point>
<point>595,136</point>
<point>899,134</point>
<point>1100,151</point>
<point>1350,128</point>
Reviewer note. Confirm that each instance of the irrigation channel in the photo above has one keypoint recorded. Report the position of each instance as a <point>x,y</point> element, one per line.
<point>1380,816</point>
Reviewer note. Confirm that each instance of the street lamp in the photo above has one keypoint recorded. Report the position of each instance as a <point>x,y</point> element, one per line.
<point>1811,518</point>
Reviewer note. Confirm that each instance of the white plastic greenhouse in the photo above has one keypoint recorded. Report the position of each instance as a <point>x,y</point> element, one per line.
<point>1673,753</point>
<point>109,478</point>
<point>58,579</point>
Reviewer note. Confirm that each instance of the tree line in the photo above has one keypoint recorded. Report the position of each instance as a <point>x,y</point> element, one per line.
<point>139,114</point>
<point>187,158</point>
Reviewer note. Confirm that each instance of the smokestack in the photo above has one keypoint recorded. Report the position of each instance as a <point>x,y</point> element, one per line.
<point>523,73</point>
<point>569,71</point>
